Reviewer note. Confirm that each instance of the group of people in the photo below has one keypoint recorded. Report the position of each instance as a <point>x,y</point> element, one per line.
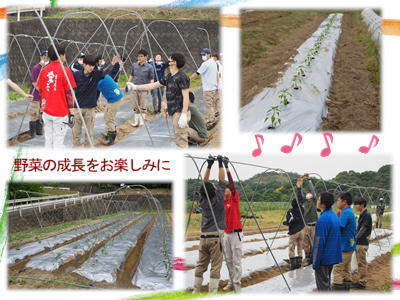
<point>52,96</point>
<point>329,239</point>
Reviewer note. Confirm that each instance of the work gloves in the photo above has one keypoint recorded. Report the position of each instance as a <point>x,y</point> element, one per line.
<point>210,161</point>
<point>220,158</point>
<point>225,160</point>
<point>71,121</point>
<point>182,122</point>
<point>130,87</point>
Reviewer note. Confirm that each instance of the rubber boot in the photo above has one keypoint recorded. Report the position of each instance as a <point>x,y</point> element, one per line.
<point>141,119</point>
<point>308,259</point>
<point>293,263</point>
<point>39,127</point>
<point>299,261</point>
<point>338,287</point>
<point>213,285</point>
<point>347,284</point>
<point>111,135</point>
<point>198,281</point>
<point>135,122</point>
<point>32,128</point>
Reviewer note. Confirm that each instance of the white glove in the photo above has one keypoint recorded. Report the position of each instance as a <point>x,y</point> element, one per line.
<point>131,86</point>
<point>182,122</point>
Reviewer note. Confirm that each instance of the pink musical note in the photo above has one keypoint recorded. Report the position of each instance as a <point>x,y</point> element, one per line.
<point>287,149</point>
<point>365,149</point>
<point>327,151</point>
<point>256,152</point>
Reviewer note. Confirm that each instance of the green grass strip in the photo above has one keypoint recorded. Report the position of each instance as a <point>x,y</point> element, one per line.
<point>56,281</point>
<point>396,249</point>
<point>39,232</point>
<point>175,295</point>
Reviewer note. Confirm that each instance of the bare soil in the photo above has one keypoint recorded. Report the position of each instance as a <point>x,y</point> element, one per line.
<point>269,40</point>
<point>131,263</point>
<point>354,97</point>
<point>379,274</point>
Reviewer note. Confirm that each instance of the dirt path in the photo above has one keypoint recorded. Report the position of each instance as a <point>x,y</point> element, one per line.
<point>269,40</point>
<point>129,266</point>
<point>354,98</point>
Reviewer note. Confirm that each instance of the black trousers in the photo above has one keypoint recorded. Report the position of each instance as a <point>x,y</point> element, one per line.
<point>323,277</point>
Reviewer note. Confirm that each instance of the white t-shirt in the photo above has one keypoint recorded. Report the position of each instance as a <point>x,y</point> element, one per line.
<point>209,74</point>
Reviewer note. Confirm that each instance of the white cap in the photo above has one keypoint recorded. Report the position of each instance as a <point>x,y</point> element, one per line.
<point>309,196</point>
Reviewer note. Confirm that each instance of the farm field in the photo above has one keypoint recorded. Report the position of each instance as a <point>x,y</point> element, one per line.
<point>108,248</point>
<point>299,72</point>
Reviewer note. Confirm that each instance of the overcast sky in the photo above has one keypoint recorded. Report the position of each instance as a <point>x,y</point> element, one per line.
<point>327,167</point>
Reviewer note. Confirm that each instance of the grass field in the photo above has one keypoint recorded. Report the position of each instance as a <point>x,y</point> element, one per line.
<point>145,13</point>
<point>38,233</point>
<point>270,218</point>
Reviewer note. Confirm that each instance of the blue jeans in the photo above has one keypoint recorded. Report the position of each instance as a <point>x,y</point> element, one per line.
<point>157,95</point>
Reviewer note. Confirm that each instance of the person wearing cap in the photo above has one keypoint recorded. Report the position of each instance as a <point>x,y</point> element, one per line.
<point>35,123</point>
<point>54,84</point>
<point>233,233</point>
<point>380,210</point>
<point>177,85</point>
<point>142,73</point>
<point>197,127</point>
<point>210,248</point>
<point>363,233</point>
<point>209,79</point>
<point>310,218</point>
<point>78,64</point>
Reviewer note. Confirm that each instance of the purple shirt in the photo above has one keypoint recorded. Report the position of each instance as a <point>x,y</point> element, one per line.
<point>34,78</point>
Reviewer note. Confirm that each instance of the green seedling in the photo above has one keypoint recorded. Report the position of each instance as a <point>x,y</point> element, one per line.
<point>273,114</point>
<point>308,60</point>
<point>300,71</point>
<point>58,255</point>
<point>296,82</point>
<point>18,248</point>
<point>284,95</point>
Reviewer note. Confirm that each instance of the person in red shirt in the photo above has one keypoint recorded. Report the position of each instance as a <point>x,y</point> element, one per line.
<point>56,97</point>
<point>233,235</point>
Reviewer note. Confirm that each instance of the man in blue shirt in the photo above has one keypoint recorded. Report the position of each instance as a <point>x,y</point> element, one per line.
<point>326,249</point>
<point>342,278</point>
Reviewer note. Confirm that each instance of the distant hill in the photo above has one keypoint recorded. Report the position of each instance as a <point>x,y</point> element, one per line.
<point>276,187</point>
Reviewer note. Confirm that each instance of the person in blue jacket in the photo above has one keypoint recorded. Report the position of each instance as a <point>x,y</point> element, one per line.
<point>113,94</point>
<point>342,277</point>
<point>326,251</point>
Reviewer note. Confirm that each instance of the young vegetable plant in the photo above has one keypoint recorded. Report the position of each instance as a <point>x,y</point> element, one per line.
<point>284,95</point>
<point>309,59</point>
<point>296,82</point>
<point>301,71</point>
<point>273,114</point>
